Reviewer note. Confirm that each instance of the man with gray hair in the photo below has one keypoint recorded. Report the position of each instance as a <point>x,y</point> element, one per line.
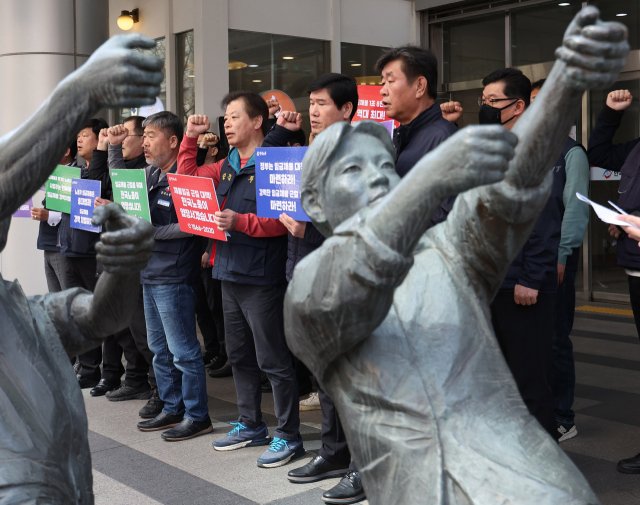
<point>167,285</point>
<point>395,322</point>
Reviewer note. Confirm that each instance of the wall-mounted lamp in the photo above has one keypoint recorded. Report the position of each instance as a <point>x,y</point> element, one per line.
<point>127,19</point>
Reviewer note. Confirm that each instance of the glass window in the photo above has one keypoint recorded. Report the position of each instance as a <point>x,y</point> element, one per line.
<point>159,51</point>
<point>263,62</point>
<point>473,49</point>
<point>469,101</point>
<point>358,61</point>
<point>607,276</point>
<point>537,32</point>
<point>186,103</point>
<point>613,10</point>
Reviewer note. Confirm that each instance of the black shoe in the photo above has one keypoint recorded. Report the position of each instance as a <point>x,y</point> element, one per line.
<point>188,429</point>
<point>217,362</point>
<point>103,387</point>
<point>224,371</point>
<point>629,465</point>
<point>86,382</point>
<point>153,407</point>
<point>317,469</point>
<point>348,490</point>
<point>125,392</point>
<point>161,422</point>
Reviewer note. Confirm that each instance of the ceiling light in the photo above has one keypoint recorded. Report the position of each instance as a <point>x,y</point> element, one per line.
<point>252,66</point>
<point>564,4</point>
<point>622,14</point>
<point>287,57</point>
<point>192,75</point>
<point>257,80</point>
<point>356,64</point>
<point>127,19</point>
<point>236,65</point>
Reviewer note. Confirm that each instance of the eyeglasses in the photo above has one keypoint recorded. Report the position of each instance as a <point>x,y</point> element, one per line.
<point>491,101</point>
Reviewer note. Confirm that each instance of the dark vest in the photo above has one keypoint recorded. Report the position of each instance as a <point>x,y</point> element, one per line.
<point>175,261</point>
<point>47,236</point>
<point>629,200</point>
<point>244,259</point>
<point>549,228</point>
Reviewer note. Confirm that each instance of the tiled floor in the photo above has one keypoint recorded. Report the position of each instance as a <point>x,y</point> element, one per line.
<point>135,468</point>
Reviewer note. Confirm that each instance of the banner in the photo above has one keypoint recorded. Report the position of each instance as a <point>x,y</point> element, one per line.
<point>601,174</point>
<point>278,172</point>
<point>83,196</point>
<point>130,190</point>
<point>24,210</point>
<point>370,107</point>
<point>196,203</point>
<point>58,188</point>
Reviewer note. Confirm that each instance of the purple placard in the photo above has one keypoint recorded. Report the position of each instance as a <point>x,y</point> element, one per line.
<point>24,210</point>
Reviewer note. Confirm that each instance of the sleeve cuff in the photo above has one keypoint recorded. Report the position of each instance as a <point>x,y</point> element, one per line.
<point>54,218</point>
<point>189,141</point>
<point>613,116</point>
<point>528,284</point>
<point>242,224</point>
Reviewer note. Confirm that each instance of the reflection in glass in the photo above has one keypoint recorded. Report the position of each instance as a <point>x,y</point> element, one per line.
<point>186,76</point>
<point>262,62</point>
<point>609,10</point>
<point>537,32</point>
<point>473,49</point>
<point>358,61</point>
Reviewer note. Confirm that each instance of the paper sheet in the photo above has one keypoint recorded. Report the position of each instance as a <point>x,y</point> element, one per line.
<point>606,215</point>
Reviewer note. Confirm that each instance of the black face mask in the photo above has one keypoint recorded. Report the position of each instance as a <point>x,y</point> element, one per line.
<point>493,115</point>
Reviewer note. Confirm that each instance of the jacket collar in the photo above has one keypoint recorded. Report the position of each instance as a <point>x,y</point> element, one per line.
<point>403,134</point>
<point>156,180</point>
<point>234,160</point>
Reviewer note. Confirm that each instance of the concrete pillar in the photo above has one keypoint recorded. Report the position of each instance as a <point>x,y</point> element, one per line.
<point>336,39</point>
<point>41,42</point>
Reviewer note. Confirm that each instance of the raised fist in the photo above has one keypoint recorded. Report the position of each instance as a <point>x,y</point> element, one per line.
<point>197,125</point>
<point>209,140</point>
<point>274,107</point>
<point>451,111</point>
<point>115,76</point>
<point>117,134</point>
<point>594,51</point>
<point>103,140</point>
<point>620,99</point>
<point>126,245</point>
<point>290,120</point>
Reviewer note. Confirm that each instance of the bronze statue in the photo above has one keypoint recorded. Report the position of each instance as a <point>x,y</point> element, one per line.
<point>395,323</point>
<point>44,453</point>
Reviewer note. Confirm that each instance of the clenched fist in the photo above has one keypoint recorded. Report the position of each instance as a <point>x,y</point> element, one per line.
<point>226,220</point>
<point>197,125</point>
<point>451,111</point>
<point>620,99</point>
<point>103,140</point>
<point>117,134</point>
<point>290,120</point>
<point>274,107</point>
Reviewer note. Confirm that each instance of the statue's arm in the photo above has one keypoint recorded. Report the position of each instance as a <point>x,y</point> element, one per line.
<point>114,76</point>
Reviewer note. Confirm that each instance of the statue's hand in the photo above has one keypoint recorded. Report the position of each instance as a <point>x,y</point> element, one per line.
<point>475,156</point>
<point>117,76</point>
<point>126,246</point>
<point>594,51</point>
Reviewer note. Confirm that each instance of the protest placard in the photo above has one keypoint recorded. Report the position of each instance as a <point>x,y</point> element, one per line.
<point>196,203</point>
<point>370,107</point>
<point>278,172</point>
<point>58,188</point>
<point>130,191</point>
<point>24,210</point>
<point>83,196</point>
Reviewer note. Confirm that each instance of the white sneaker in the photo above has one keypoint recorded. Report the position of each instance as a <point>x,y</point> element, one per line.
<point>566,431</point>
<point>311,403</point>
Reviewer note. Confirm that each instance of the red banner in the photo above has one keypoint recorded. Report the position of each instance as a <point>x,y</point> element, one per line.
<point>196,204</point>
<point>370,107</point>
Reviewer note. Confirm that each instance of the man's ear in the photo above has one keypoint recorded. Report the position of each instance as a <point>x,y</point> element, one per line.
<point>421,86</point>
<point>346,110</point>
<point>257,123</point>
<point>173,141</point>
<point>311,204</point>
<point>67,153</point>
<point>214,151</point>
<point>520,108</point>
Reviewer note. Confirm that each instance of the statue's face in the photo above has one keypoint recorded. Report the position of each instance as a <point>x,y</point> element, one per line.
<point>362,172</point>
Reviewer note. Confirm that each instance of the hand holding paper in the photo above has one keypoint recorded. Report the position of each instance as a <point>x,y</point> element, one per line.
<point>610,216</point>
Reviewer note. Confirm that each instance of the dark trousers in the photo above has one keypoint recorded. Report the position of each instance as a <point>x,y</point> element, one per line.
<point>81,273</point>
<point>209,313</point>
<point>525,335</point>
<point>131,341</point>
<point>254,324</point>
<point>634,294</point>
<point>564,370</point>
<point>54,271</point>
<point>334,441</point>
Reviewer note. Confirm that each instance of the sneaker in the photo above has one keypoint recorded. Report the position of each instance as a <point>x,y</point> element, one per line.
<point>311,403</point>
<point>224,371</point>
<point>348,490</point>
<point>124,393</point>
<point>280,452</point>
<point>208,357</point>
<point>241,436</point>
<point>566,431</point>
<point>153,407</point>
<point>217,362</point>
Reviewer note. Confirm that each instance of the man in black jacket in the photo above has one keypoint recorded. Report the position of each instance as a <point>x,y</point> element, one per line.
<point>409,92</point>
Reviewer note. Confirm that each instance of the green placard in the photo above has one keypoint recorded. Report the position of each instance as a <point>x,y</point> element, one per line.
<point>58,188</point>
<point>130,191</point>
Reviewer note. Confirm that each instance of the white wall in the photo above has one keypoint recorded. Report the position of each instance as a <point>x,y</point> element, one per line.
<point>378,22</point>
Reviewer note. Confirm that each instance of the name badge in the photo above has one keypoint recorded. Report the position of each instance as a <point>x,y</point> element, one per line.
<point>164,203</point>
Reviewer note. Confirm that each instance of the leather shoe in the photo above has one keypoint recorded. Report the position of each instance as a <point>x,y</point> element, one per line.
<point>348,490</point>
<point>86,382</point>
<point>124,393</point>
<point>103,387</point>
<point>317,469</point>
<point>629,465</point>
<point>187,429</point>
<point>161,422</point>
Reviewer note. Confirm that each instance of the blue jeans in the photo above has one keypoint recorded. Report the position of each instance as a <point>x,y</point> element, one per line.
<point>564,370</point>
<point>171,331</point>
